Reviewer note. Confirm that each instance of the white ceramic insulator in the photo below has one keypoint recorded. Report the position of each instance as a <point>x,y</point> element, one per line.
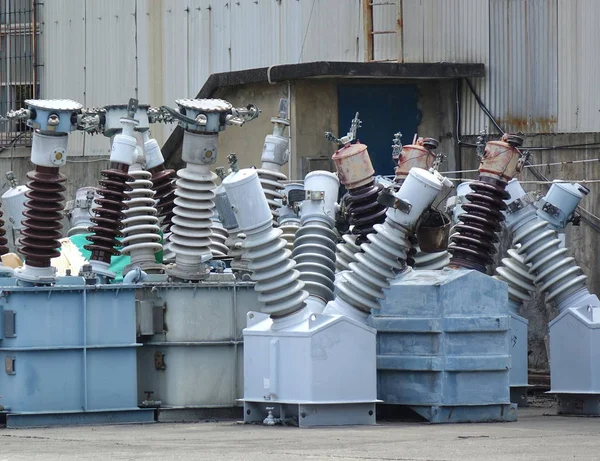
<point>345,252</point>
<point>557,274</point>
<point>141,232</point>
<point>289,227</point>
<point>190,233</point>
<point>273,269</point>
<point>274,272</point>
<point>272,185</point>
<point>314,253</point>
<point>314,245</point>
<point>362,287</point>
<point>218,238</point>
<point>515,272</point>
<point>234,244</point>
<point>431,261</point>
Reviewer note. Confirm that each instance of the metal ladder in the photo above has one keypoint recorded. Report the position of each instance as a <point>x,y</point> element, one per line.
<point>369,33</point>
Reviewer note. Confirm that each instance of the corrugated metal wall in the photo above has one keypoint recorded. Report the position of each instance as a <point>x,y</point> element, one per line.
<point>538,53</point>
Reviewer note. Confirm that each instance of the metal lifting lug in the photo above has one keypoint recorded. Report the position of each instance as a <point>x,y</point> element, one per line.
<point>387,199</point>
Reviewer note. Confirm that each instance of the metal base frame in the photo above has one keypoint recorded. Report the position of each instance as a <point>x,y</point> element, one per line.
<point>25,420</point>
<point>518,395</point>
<point>578,404</point>
<point>196,414</point>
<point>311,414</point>
<point>460,413</point>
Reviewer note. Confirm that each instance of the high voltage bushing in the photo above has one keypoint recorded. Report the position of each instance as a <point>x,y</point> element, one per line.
<point>277,280</point>
<point>314,245</point>
<point>515,273</point>
<point>141,230</point>
<point>52,121</point>
<point>472,246</point>
<point>163,184</point>
<point>345,252</point>
<point>289,221</point>
<point>557,275</point>
<point>275,154</point>
<point>202,120</point>
<point>120,122</point>
<point>283,376</point>
<point>219,236</point>
<point>573,331</point>
<point>420,155</point>
<point>359,290</point>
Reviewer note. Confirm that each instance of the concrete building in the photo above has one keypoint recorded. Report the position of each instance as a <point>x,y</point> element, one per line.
<point>439,68</point>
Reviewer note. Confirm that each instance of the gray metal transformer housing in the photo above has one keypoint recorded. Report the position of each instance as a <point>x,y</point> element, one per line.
<point>443,346</point>
<point>198,341</point>
<point>69,354</point>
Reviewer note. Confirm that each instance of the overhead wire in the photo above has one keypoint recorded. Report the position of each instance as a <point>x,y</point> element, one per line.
<point>541,179</point>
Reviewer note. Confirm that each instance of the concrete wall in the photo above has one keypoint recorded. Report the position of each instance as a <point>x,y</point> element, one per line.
<point>582,241</point>
<point>314,110</point>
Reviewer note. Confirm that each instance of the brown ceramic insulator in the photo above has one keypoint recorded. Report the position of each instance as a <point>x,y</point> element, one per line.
<point>42,223</point>
<point>163,183</point>
<point>109,213</point>
<point>3,241</point>
<point>472,246</point>
<point>364,211</point>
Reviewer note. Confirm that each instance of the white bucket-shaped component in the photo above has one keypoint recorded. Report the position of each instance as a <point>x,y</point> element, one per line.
<point>322,188</point>
<point>13,202</point>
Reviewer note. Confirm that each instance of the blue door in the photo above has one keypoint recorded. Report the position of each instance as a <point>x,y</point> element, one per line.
<point>384,110</point>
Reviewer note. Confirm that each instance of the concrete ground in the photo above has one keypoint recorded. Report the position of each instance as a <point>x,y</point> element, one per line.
<point>538,435</point>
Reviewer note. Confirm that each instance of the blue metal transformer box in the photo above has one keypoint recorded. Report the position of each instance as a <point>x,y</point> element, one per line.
<point>69,354</point>
<point>443,346</point>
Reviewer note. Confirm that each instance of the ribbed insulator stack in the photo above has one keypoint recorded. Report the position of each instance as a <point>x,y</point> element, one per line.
<point>274,271</point>
<point>52,120</point>
<point>141,229</point>
<point>108,215</point>
<point>190,233</point>
<point>163,183</point>
<point>43,216</point>
<point>289,228</point>
<point>364,211</point>
<point>275,154</point>
<point>272,185</point>
<point>345,252</point>
<point>557,275</point>
<point>473,244</point>
<point>430,261</point>
<point>289,221</point>
<point>314,246</point>
<point>110,196</point>
<point>3,240</point>
<point>515,272</point>
<point>362,287</point>
<point>218,237</point>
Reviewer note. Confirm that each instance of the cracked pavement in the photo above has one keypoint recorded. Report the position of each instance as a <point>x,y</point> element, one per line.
<point>538,435</point>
